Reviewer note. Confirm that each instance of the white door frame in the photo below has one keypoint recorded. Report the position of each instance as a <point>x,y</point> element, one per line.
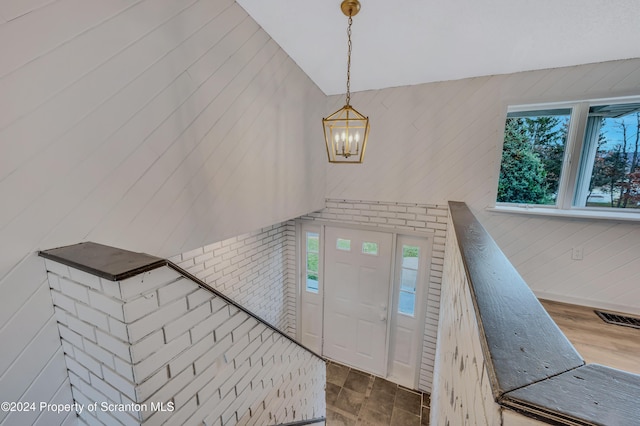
<point>301,269</point>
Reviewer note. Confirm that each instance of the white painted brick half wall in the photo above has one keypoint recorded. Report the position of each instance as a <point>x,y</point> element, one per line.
<point>160,338</point>
<point>257,270</point>
<point>398,217</point>
<point>462,392</point>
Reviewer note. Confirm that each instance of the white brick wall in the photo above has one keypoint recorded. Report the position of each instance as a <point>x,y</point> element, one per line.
<point>256,269</point>
<point>462,392</point>
<point>398,217</point>
<point>160,338</point>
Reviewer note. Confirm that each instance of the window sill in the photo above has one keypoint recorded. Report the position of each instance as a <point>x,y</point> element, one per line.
<point>574,213</point>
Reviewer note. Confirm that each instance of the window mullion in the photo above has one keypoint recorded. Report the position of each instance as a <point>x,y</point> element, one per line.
<point>571,162</point>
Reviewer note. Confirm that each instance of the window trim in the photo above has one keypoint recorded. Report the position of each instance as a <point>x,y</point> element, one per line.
<point>570,165</point>
<point>575,213</point>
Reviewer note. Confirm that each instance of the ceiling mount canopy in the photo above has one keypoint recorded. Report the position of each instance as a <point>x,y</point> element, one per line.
<point>350,7</point>
<point>346,131</point>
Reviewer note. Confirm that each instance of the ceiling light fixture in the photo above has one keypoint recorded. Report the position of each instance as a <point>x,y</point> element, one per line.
<point>346,131</point>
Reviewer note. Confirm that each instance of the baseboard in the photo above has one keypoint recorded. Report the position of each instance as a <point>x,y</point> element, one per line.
<point>599,304</point>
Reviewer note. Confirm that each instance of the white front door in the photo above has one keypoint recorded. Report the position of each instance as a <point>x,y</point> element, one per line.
<point>356,277</point>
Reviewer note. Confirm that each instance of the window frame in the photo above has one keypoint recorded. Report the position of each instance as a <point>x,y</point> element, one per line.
<point>570,165</point>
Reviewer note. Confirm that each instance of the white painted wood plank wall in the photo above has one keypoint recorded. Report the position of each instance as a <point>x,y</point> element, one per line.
<point>152,125</point>
<point>437,142</point>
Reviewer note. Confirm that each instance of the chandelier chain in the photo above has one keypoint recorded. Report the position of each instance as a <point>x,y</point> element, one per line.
<point>349,60</point>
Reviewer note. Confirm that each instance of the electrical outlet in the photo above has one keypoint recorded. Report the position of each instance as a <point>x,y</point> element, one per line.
<point>576,253</point>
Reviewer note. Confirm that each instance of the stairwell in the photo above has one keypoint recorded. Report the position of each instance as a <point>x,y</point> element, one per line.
<point>147,343</point>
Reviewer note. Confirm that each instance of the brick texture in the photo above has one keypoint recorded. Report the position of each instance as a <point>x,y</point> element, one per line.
<point>461,391</point>
<point>158,349</point>
<point>256,269</point>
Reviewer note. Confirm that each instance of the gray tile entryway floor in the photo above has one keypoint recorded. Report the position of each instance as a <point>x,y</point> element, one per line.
<point>357,398</point>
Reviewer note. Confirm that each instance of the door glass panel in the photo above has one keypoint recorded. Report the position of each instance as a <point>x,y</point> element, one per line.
<point>343,244</point>
<point>410,256</point>
<point>408,280</point>
<point>313,248</point>
<point>313,242</point>
<point>370,248</point>
<point>407,303</point>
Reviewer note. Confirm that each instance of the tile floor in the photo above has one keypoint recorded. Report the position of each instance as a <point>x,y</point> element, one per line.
<point>357,398</point>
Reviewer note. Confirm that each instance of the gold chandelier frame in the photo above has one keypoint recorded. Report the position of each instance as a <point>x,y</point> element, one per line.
<point>346,131</point>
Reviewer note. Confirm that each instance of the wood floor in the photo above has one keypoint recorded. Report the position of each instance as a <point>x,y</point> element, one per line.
<point>597,341</point>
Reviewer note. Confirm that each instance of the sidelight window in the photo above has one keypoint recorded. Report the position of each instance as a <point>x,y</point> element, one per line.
<point>313,257</point>
<point>408,280</point>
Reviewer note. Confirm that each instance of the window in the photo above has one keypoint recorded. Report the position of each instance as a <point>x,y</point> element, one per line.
<point>344,245</point>
<point>408,280</point>
<point>532,154</point>
<point>313,256</point>
<point>609,173</point>
<point>370,248</point>
<point>539,142</point>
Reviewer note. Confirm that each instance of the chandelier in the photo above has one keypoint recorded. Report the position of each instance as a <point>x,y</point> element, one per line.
<point>346,131</point>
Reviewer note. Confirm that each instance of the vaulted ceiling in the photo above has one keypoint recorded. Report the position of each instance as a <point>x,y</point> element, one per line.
<point>398,43</point>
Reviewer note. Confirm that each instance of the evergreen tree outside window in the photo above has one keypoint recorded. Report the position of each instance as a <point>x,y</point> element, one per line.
<point>603,138</point>
<point>532,156</point>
